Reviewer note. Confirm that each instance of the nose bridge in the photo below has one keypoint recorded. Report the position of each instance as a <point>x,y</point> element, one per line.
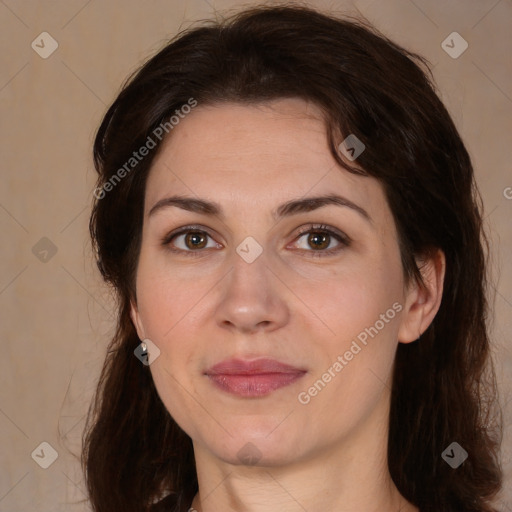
<point>249,279</point>
<point>251,297</point>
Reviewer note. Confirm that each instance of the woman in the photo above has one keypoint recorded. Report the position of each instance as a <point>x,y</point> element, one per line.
<point>290,220</point>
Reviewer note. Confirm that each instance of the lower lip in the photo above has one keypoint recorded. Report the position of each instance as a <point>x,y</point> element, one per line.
<point>254,385</point>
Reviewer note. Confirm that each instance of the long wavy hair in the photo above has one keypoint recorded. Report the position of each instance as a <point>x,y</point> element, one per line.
<point>135,457</point>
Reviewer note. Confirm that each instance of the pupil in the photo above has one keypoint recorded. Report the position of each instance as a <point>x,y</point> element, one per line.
<point>196,237</point>
<point>319,237</point>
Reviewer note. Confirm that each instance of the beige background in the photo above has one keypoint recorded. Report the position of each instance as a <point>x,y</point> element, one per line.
<point>56,317</point>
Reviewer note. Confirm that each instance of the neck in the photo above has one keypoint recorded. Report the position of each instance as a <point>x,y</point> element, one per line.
<point>351,474</point>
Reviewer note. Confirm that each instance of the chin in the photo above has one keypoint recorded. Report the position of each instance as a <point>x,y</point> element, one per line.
<point>255,447</point>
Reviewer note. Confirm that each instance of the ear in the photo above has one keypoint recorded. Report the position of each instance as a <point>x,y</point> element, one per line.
<point>137,322</point>
<point>422,302</point>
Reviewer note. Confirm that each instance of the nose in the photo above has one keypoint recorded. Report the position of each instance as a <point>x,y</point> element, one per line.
<point>252,298</point>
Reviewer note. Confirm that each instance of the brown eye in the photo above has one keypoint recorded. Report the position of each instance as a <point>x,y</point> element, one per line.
<point>196,240</point>
<point>190,241</point>
<point>318,240</point>
<point>321,241</point>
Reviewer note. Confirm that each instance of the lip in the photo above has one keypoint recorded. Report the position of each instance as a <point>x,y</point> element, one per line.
<point>253,378</point>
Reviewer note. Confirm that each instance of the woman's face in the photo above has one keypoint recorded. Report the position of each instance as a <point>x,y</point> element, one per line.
<point>260,279</point>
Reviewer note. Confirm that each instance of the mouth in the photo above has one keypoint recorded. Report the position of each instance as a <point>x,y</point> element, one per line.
<point>251,379</point>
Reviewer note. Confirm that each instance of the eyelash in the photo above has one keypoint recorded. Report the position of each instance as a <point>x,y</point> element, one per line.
<point>343,240</point>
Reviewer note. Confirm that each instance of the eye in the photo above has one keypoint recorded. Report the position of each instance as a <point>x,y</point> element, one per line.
<point>322,240</point>
<point>189,239</point>
<point>318,240</point>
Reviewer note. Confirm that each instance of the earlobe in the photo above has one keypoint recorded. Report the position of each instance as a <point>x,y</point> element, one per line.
<point>136,320</point>
<point>422,302</point>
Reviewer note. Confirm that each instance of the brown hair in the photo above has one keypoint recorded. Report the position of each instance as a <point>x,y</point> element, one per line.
<point>443,386</point>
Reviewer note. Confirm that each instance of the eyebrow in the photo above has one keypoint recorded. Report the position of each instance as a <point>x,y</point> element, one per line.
<point>287,209</point>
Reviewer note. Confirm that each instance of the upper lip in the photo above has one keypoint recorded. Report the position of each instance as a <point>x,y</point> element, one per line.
<point>259,366</point>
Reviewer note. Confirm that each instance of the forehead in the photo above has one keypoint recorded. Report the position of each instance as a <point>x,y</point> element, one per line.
<point>255,155</point>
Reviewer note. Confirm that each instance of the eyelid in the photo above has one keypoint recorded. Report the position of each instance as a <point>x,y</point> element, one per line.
<point>183,230</point>
<point>343,240</point>
<point>325,229</point>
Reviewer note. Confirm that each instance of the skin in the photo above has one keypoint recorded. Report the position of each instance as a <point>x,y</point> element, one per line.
<point>288,304</point>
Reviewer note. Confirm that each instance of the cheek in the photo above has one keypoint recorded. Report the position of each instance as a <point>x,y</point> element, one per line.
<point>362,310</point>
<point>178,392</point>
<point>170,308</point>
<point>355,299</point>
<point>166,296</point>
<point>355,371</point>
